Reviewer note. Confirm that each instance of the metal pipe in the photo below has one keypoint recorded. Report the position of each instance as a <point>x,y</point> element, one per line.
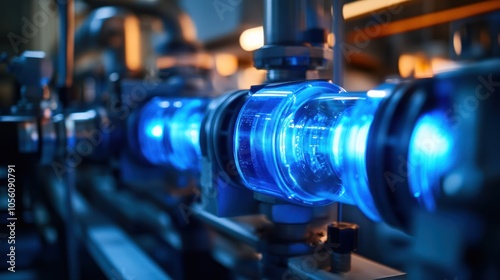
<point>65,82</point>
<point>314,13</point>
<point>284,22</point>
<point>338,61</point>
<point>338,35</point>
<point>66,46</point>
<point>168,10</point>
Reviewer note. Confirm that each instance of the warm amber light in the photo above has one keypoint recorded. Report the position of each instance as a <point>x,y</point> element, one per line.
<point>363,7</point>
<point>423,68</point>
<point>428,20</point>
<point>418,65</point>
<point>330,39</point>
<point>132,43</point>
<point>188,27</point>
<point>252,39</point>
<point>457,42</point>
<point>251,76</point>
<point>226,64</point>
<point>406,65</point>
<point>201,60</point>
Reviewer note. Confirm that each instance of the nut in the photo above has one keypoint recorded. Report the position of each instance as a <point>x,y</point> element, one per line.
<point>343,237</point>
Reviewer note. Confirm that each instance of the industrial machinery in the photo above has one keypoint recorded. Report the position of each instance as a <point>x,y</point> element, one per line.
<point>132,154</point>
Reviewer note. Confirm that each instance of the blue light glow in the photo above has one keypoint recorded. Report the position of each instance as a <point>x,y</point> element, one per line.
<point>377,93</point>
<point>169,135</point>
<point>351,151</point>
<point>305,142</point>
<point>429,157</point>
<point>157,131</point>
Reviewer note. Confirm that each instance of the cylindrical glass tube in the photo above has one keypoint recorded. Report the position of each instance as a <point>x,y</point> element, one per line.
<point>168,131</point>
<point>305,142</point>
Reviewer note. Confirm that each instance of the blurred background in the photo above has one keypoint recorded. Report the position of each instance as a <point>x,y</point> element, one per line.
<point>417,41</point>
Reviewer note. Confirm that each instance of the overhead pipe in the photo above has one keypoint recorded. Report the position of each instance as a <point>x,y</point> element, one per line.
<point>169,12</point>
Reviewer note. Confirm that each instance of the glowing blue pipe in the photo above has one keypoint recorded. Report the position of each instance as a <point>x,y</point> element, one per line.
<point>303,142</point>
<point>168,131</point>
<point>306,143</point>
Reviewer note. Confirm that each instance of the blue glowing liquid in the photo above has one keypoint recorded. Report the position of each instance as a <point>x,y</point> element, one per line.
<point>169,129</point>
<point>429,157</point>
<point>305,143</point>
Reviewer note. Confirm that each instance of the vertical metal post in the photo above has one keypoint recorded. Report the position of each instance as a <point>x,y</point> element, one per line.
<point>64,84</point>
<point>284,22</point>
<point>338,59</point>
<point>66,48</point>
<point>70,223</point>
<point>338,34</point>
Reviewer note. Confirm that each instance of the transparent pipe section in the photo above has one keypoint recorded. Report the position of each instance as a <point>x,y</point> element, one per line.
<point>305,143</point>
<point>168,131</point>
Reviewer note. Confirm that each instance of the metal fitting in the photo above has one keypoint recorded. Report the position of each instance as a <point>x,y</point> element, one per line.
<point>342,240</point>
<point>286,57</point>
